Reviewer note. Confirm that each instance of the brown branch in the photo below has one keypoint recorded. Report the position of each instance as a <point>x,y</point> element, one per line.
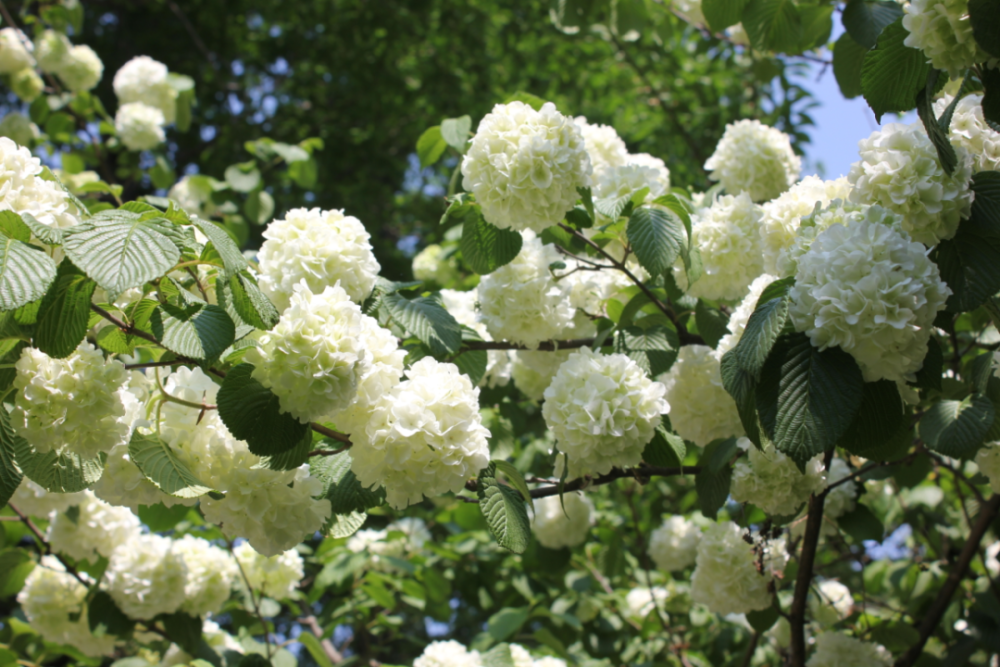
<point>751,648</point>
<point>544,346</point>
<point>932,616</point>
<point>330,433</point>
<point>641,472</point>
<point>46,547</point>
<point>309,620</point>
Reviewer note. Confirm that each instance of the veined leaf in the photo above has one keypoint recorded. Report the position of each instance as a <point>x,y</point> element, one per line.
<point>893,73</point>
<point>957,428</point>
<point>864,20</point>
<point>198,331</point>
<point>161,466</point>
<point>773,25</point>
<point>656,237</point>
<point>62,473</point>
<point>25,273</point>
<point>252,412</point>
<point>232,258</point>
<point>505,511</point>
<point>10,475</point>
<point>64,315</point>
<point>341,487</point>
<point>486,247</point>
<point>721,14</point>
<point>426,319</point>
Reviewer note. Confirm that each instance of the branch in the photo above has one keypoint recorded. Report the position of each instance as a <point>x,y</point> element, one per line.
<point>641,472</point>
<point>46,546</point>
<point>309,620</point>
<point>544,346</point>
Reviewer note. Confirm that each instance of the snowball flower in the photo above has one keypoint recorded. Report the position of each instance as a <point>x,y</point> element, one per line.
<point>969,130</point>
<point>771,481</point>
<point>647,161</point>
<point>276,576</point>
<point>700,408</point>
<point>26,84</point>
<point>448,654</point>
<point>834,649</point>
<point>49,597</point>
<point>15,51</point>
<point>123,484</point>
<point>840,499</point>
<point>194,195</point>
<point>97,529</point>
<point>725,577</point>
<point>674,545</point>
<point>313,357</point>
<point>641,602</point>
<point>867,288</point>
<point>81,69</point>
<point>532,372</point>
<point>33,500</point>
<point>73,403</point>
<point>143,79</point>
<point>51,50</point>
<point>603,410</point>
<point>899,170</point>
<point>555,528</point>
<point>18,128</point>
<point>589,290</point>
<point>741,314</point>
<point>139,126</point>
<point>146,577</point>
<point>627,179</point>
<point>22,190</point>
<point>604,147</point>
<point>521,301</point>
<point>943,31</point>
<point>211,573</point>
<point>754,158</point>
<point>432,266</point>
<point>830,603</point>
<point>524,166</point>
<point>319,247</point>
<point>988,460</point>
<point>727,236</point>
<point>425,436</point>
<point>783,214</point>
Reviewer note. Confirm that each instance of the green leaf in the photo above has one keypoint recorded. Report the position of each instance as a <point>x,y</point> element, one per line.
<point>159,518</point>
<point>13,227</point>
<point>64,314</point>
<point>431,146</point>
<point>937,133</point>
<point>486,247</point>
<point>10,475</point>
<point>105,618</point>
<point>893,73</point>
<point>712,482</point>
<point>197,331</point>
<point>425,318</point>
<point>656,237</point>
<point>259,207</point>
<point>806,398</point>
<point>532,101</point>
<point>25,273</point>
<point>763,328</point>
<point>712,323</point>
<point>122,249</point>
<point>44,233</point>
<point>929,375</point>
<point>252,413</point>
<point>861,524</point>
<point>160,465</point>
<point>516,479</point>
<point>243,177</point>
<point>498,656</point>
<point>763,620</point>
<point>654,349</point>
<point>878,420</point>
<point>864,20</point>
<point>250,303</point>
<point>506,622</point>
<point>666,449</point>
<point>984,15</point>
<point>345,525</point>
<point>183,629</point>
<point>848,59</point>
<point>472,362</point>
<point>505,512</point>
<point>957,428</point>
<point>817,24</point>
<point>341,487</point>
<point>315,649</point>
<point>291,459</point>
<point>720,14</point>
<point>742,386</point>
<point>455,132</point>
<point>63,473</point>
<point>773,25</point>
<point>232,258</point>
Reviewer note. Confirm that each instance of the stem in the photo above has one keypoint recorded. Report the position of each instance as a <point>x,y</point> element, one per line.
<point>748,656</point>
<point>544,346</point>
<point>253,600</point>
<point>46,547</point>
<point>642,472</point>
<point>309,620</point>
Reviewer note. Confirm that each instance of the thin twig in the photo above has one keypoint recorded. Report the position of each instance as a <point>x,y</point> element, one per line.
<point>46,547</point>
<point>309,620</point>
<point>751,648</point>
<point>253,600</point>
<point>615,474</point>
<point>544,346</point>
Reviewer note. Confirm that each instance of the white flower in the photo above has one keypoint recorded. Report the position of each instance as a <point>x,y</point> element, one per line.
<point>549,661</point>
<point>589,289</point>
<point>319,247</point>
<point>365,540</point>
<point>313,358</point>
<point>414,529</point>
<point>524,166</point>
<point>33,500</point>
<point>430,265</point>
<point>532,372</point>
<point>139,126</point>
<point>520,656</point>
<point>50,595</point>
<point>462,306</point>
<point>81,69</point>
<point>425,437</point>
<point>754,158</point>
<point>521,301</point>
<point>194,195</point>
<point>727,236</point>
<point>26,84</point>
<point>146,577</point>
<point>741,314</point>
<point>95,530</point>
<point>988,460</point>
<point>969,130</point>
<point>22,190</point>
<point>834,649</point>
<point>700,408</point>
<point>841,498</point>
<point>674,545</point>
<point>276,577</point>
<point>992,562</point>
<point>868,289</point>
<point>143,79</point>
<point>211,573</point>
<point>943,31</point>
<point>627,179</point>
<point>15,51</point>
<point>725,577</point>
<point>602,410</point>
<point>899,169</point>
<point>556,528</point>
<point>662,178</point>
<point>51,49</point>
<point>641,602</point>
<point>448,654</point>
<point>830,602</point>
<point>783,214</point>
<point>604,147</point>
<point>73,403</point>
<point>771,481</point>
<point>18,128</point>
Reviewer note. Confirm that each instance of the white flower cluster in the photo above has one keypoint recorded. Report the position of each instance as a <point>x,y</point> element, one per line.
<point>870,290</point>
<point>627,179</point>
<point>590,289</point>
<point>33,500</point>
<point>18,128</point>
<point>603,410</point>
<point>741,314</point>
<point>524,166</point>
<point>841,498</point>
<point>783,215</point>
<point>140,126</point>
<point>969,130</point>
<point>15,51</point>
<point>424,437</point>
<point>448,654</point>
<point>727,236</point>
<point>22,190</point>
<point>943,31</point>
<point>276,576</point>
<point>899,170</point>
<point>988,461</point>
<point>377,543</point>
<point>123,484</point>
<point>556,528</point>
<point>462,306</point>
<point>194,195</point>
<point>320,247</point>
<point>604,147</point>
<point>73,403</point>
<point>532,372</point>
<point>641,602</point>
<point>211,574</point>
<point>432,266</point>
<point>143,80</point>
<point>146,577</point>
<point>521,302</point>
<point>754,158</point>
<point>771,481</point>
<point>701,410</point>
<point>831,602</point>
<point>94,529</point>
<point>51,48</point>
<point>78,67</point>
<point>674,545</point>
<point>834,649</point>
<point>725,577</point>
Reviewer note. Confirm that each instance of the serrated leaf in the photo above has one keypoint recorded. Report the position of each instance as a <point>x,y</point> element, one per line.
<point>656,237</point>
<point>251,304</point>
<point>848,59</point>
<point>499,655</point>
<point>761,331</point>
<point>742,386</point>
<point>666,449</point>
<point>10,475</point>
<point>430,146</point>
<point>516,479</point>
<point>232,258</point>
<point>341,487</point>
<point>984,16</point>
<point>259,207</point>
<point>878,420</point>
<point>197,331</point>
<point>864,20</point>
<point>763,620</point>
<point>63,473</point>
<point>183,630</point>
<point>472,362</point>
<point>25,273</point>
<point>654,349</point>
<point>892,73</point>
<point>345,525</point>
<point>160,465</point>
<point>293,458</point>
<point>807,399</point>
<point>12,226</point>
<point>506,622</point>
<point>44,233</point>
<point>773,25</point>
<point>712,323</point>
<point>425,318</point>
<point>105,617</point>
<point>455,132</point>
<point>486,247</point>
<point>817,24</point>
<point>613,207</point>
<point>122,249</point>
<point>64,314</point>
<point>713,480</point>
<point>938,134</point>
<point>720,14</point>
<point>957,428</point>
<point>505,511</point>
<point>252,412</point>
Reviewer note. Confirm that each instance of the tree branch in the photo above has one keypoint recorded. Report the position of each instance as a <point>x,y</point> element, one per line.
<point>545,345</point>
<point>641,472</point>
<point>309,620</point>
